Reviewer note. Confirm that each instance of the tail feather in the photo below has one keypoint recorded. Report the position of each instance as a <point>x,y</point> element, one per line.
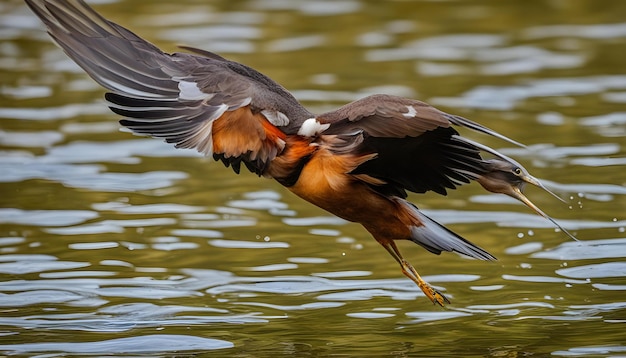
<point>436,238</point>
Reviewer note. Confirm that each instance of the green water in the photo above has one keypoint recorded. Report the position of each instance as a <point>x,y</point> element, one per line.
<point>120,245</point>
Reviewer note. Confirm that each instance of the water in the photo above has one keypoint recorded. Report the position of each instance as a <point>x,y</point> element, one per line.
<point>119,245</point>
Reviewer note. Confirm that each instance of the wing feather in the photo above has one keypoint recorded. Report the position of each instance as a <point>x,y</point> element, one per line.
<point>415,145</point>
<point>179,97</point>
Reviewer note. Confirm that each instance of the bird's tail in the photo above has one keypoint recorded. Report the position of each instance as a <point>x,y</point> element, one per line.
<point>436,238</point>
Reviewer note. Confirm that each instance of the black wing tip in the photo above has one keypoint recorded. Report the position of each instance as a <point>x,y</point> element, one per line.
<point>112,97</point>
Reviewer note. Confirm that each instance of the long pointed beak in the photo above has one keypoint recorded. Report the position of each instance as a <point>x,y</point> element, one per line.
<point>534,181</point>
<point>517,194</point>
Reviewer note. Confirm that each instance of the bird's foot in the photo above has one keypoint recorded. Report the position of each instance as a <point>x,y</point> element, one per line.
<point>435,296</point>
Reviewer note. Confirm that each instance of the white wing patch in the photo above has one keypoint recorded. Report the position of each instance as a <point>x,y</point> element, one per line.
<point>244,103</point>
<point>411,113</point>
<point>312,127</point>
<point>277,118</point>
<point>116,86</point>
<point>190,91</point>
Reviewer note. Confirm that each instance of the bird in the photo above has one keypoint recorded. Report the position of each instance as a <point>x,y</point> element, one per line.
<point>358,162</point>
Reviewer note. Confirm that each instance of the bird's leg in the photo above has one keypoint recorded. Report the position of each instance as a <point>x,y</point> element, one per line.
<point>409,271</point>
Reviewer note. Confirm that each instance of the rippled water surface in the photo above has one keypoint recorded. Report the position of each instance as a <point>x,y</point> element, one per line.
<point>120,245</point>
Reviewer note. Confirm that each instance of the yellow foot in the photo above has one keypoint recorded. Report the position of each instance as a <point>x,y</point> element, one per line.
<point>435,296</point>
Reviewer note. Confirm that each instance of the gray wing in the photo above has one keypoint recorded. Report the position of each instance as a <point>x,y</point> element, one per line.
<point>179,97</point>
<point>415,145</point>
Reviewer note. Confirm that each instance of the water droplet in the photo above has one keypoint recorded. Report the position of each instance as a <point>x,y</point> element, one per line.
<point>520,235</point>
<point>621,229</point>
<point>581,195</point>
<point>345,240</point>
<point>568,285</point>
<point>266,239</point>
<point>531,233</point>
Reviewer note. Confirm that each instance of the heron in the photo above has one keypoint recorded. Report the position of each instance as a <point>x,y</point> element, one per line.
<point>357,162</point>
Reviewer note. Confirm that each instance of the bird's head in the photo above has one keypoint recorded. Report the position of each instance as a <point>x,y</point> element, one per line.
<point>509,177</point>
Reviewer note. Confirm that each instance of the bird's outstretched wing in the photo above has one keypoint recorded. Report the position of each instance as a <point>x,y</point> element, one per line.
<point>415,145</point>
<point>202,101</point>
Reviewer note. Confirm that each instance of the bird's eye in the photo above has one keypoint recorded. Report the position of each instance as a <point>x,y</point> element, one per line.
<point>517,171</point>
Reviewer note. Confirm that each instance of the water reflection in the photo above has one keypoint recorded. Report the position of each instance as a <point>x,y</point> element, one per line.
<point>157,343</point>
<point>504,98</point>
<point>591,249</point>
<point>117,245</point>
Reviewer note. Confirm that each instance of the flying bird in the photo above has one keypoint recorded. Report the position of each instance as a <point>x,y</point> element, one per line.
<point>357,162</point>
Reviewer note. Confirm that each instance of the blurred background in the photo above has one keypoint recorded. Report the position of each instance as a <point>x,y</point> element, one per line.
<point>112,243</point>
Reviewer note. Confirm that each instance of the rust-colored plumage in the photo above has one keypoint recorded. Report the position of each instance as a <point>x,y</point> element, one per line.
<point>357,162</point>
